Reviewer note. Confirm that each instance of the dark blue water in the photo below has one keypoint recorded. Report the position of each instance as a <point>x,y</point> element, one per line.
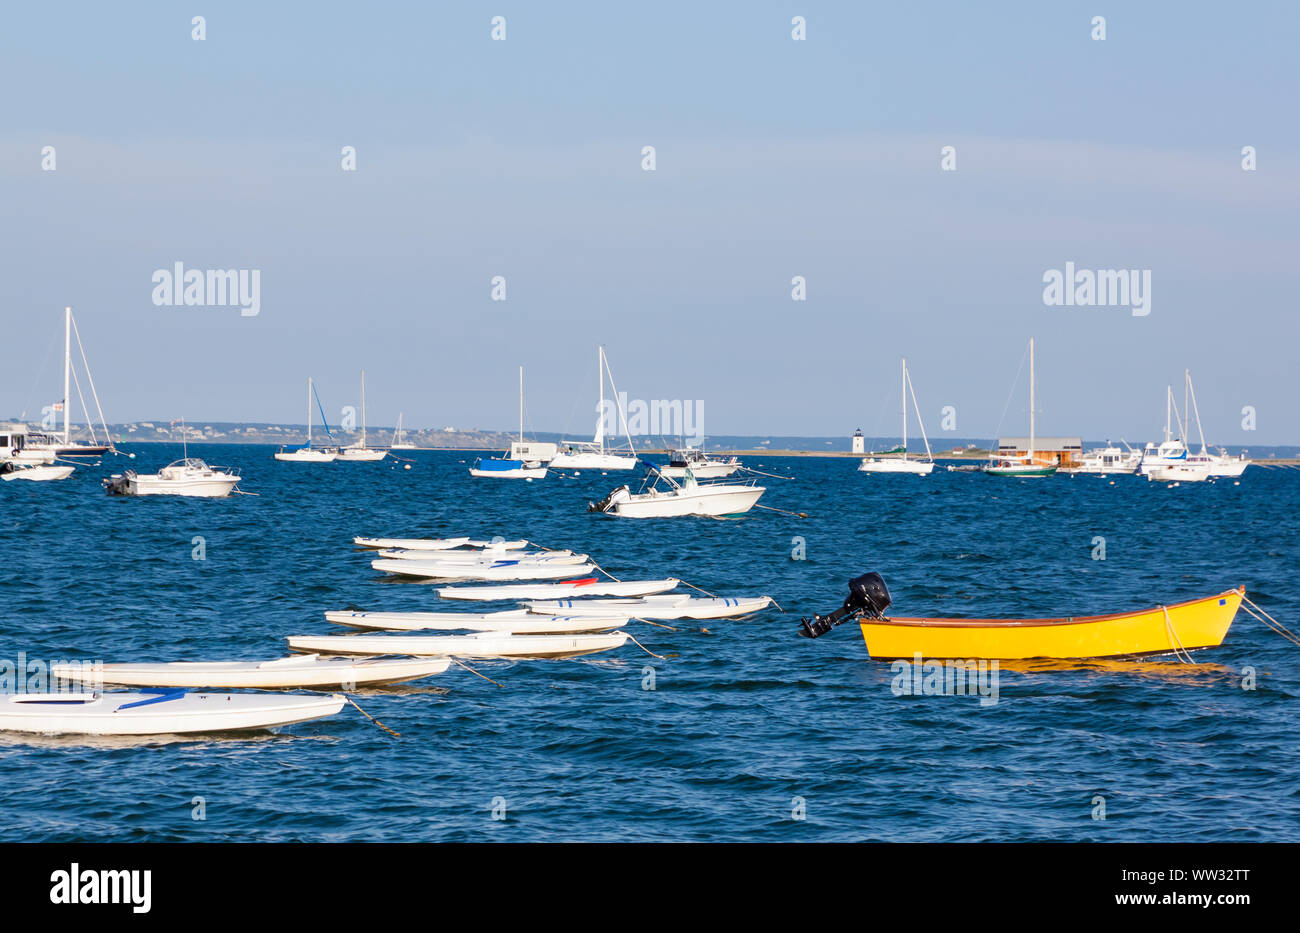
<point>744,718</point>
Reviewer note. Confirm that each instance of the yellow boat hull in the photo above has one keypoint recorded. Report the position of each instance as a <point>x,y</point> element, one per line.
<point>1200,623</point>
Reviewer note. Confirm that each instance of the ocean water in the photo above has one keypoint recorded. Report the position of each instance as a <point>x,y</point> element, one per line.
<point>750,733</point>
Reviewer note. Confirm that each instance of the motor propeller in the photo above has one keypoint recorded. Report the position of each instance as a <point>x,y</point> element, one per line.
<point>868,596</point>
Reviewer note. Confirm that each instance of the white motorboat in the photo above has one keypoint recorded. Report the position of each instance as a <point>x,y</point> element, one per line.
<point>667,606</point>
<point>187,477</point>
<point>297,671</point>
<point>399,437</point>
<point>496,570</point>
<point>411,544</point>
<point>478,645</point>
<point>596,454</point>
<point>900,463</point>
<point>526,460</point>
<point>517,621</point>
<point>1108,460</point>
<point>717,500</point>
<point>172,712</point>
<point>700,464</point>
<point>37,472</point>
<point>590,586</point>
<point>307,453</point>
<point>359,452</point>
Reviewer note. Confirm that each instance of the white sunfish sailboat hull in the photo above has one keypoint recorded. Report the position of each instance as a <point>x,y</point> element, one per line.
<point>485,557</point>
<point>299,671</point>
<point>589,587</point>
<point>158,714</point>
<point>517,621</point>
<point>670,606</point>
<point>485,645</point>
<point>411,544</point>
<point>505,570</point>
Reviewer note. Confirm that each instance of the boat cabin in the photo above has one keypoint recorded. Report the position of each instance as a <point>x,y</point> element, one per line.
<point>13,437</point>
<point>1062,452</point>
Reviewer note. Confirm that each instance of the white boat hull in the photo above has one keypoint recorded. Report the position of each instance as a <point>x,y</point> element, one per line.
<point>361,454</point>
<point>115,714</point>
<point>592,461</point>
<point>198,488</point>
<point>915,467</point>
<point>485,557</point>
<point>1179,473</point>
<point>516,621</point>
<point>307,455</point>
<point>713,501</point>
<point>301,672</point>
<point>433,570</point>
<point>39,473</point>
<point>592,587</point>
<point>411,544</point>
<point>665,607</point>
<point>488,645</point>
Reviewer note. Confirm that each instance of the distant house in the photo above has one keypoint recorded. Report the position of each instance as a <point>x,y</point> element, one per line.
<point>1049,451</point>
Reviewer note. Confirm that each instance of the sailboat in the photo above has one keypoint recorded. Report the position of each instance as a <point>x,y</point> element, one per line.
<point>360,452</point>
<point>307,453</point>
<point>527,459</point>
<point>63,445</point>
<point>399,443</point>
<point>595,454</point>
<point>902,464</point>
<point>1027,465</point>
<point>1220,464</point>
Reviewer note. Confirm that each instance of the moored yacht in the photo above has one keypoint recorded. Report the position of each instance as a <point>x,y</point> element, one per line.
<point>359,452</point>
<point>526,460</point>
<point>900,464</point>
<point>596,454</point>
<point>188,476</point>
<point>307,453</point>
<point>1107,460</point>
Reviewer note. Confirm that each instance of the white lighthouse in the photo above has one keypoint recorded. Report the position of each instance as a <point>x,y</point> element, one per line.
<point>859,442</point>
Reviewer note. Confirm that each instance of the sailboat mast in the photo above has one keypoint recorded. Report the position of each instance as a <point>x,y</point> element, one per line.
<point>1031,401</point>
<point>600,375</point>
<point>1169,404</point>
<point>309,411</point>
<point>363,408</point>
<point>67,371</point>
<point>903,396</point>
<point>521,404</point>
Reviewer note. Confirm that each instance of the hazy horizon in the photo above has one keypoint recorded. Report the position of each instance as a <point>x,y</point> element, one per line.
<point>775,158</point>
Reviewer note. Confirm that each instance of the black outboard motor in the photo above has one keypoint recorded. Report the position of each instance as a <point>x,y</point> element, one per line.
<point>868,596</point>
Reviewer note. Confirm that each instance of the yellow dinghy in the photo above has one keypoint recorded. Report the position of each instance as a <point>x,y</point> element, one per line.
<point>1182,627</point>
<point>1200,623</point>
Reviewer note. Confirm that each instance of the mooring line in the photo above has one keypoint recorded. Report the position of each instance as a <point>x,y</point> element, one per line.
<point>371,718</point>
<point>1272,623</point>
<point>474,672</point>
<point>644,648</point>
<point>1185,657</point>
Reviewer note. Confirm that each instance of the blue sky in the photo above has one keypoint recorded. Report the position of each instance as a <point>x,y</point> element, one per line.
<point>775,158</point>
